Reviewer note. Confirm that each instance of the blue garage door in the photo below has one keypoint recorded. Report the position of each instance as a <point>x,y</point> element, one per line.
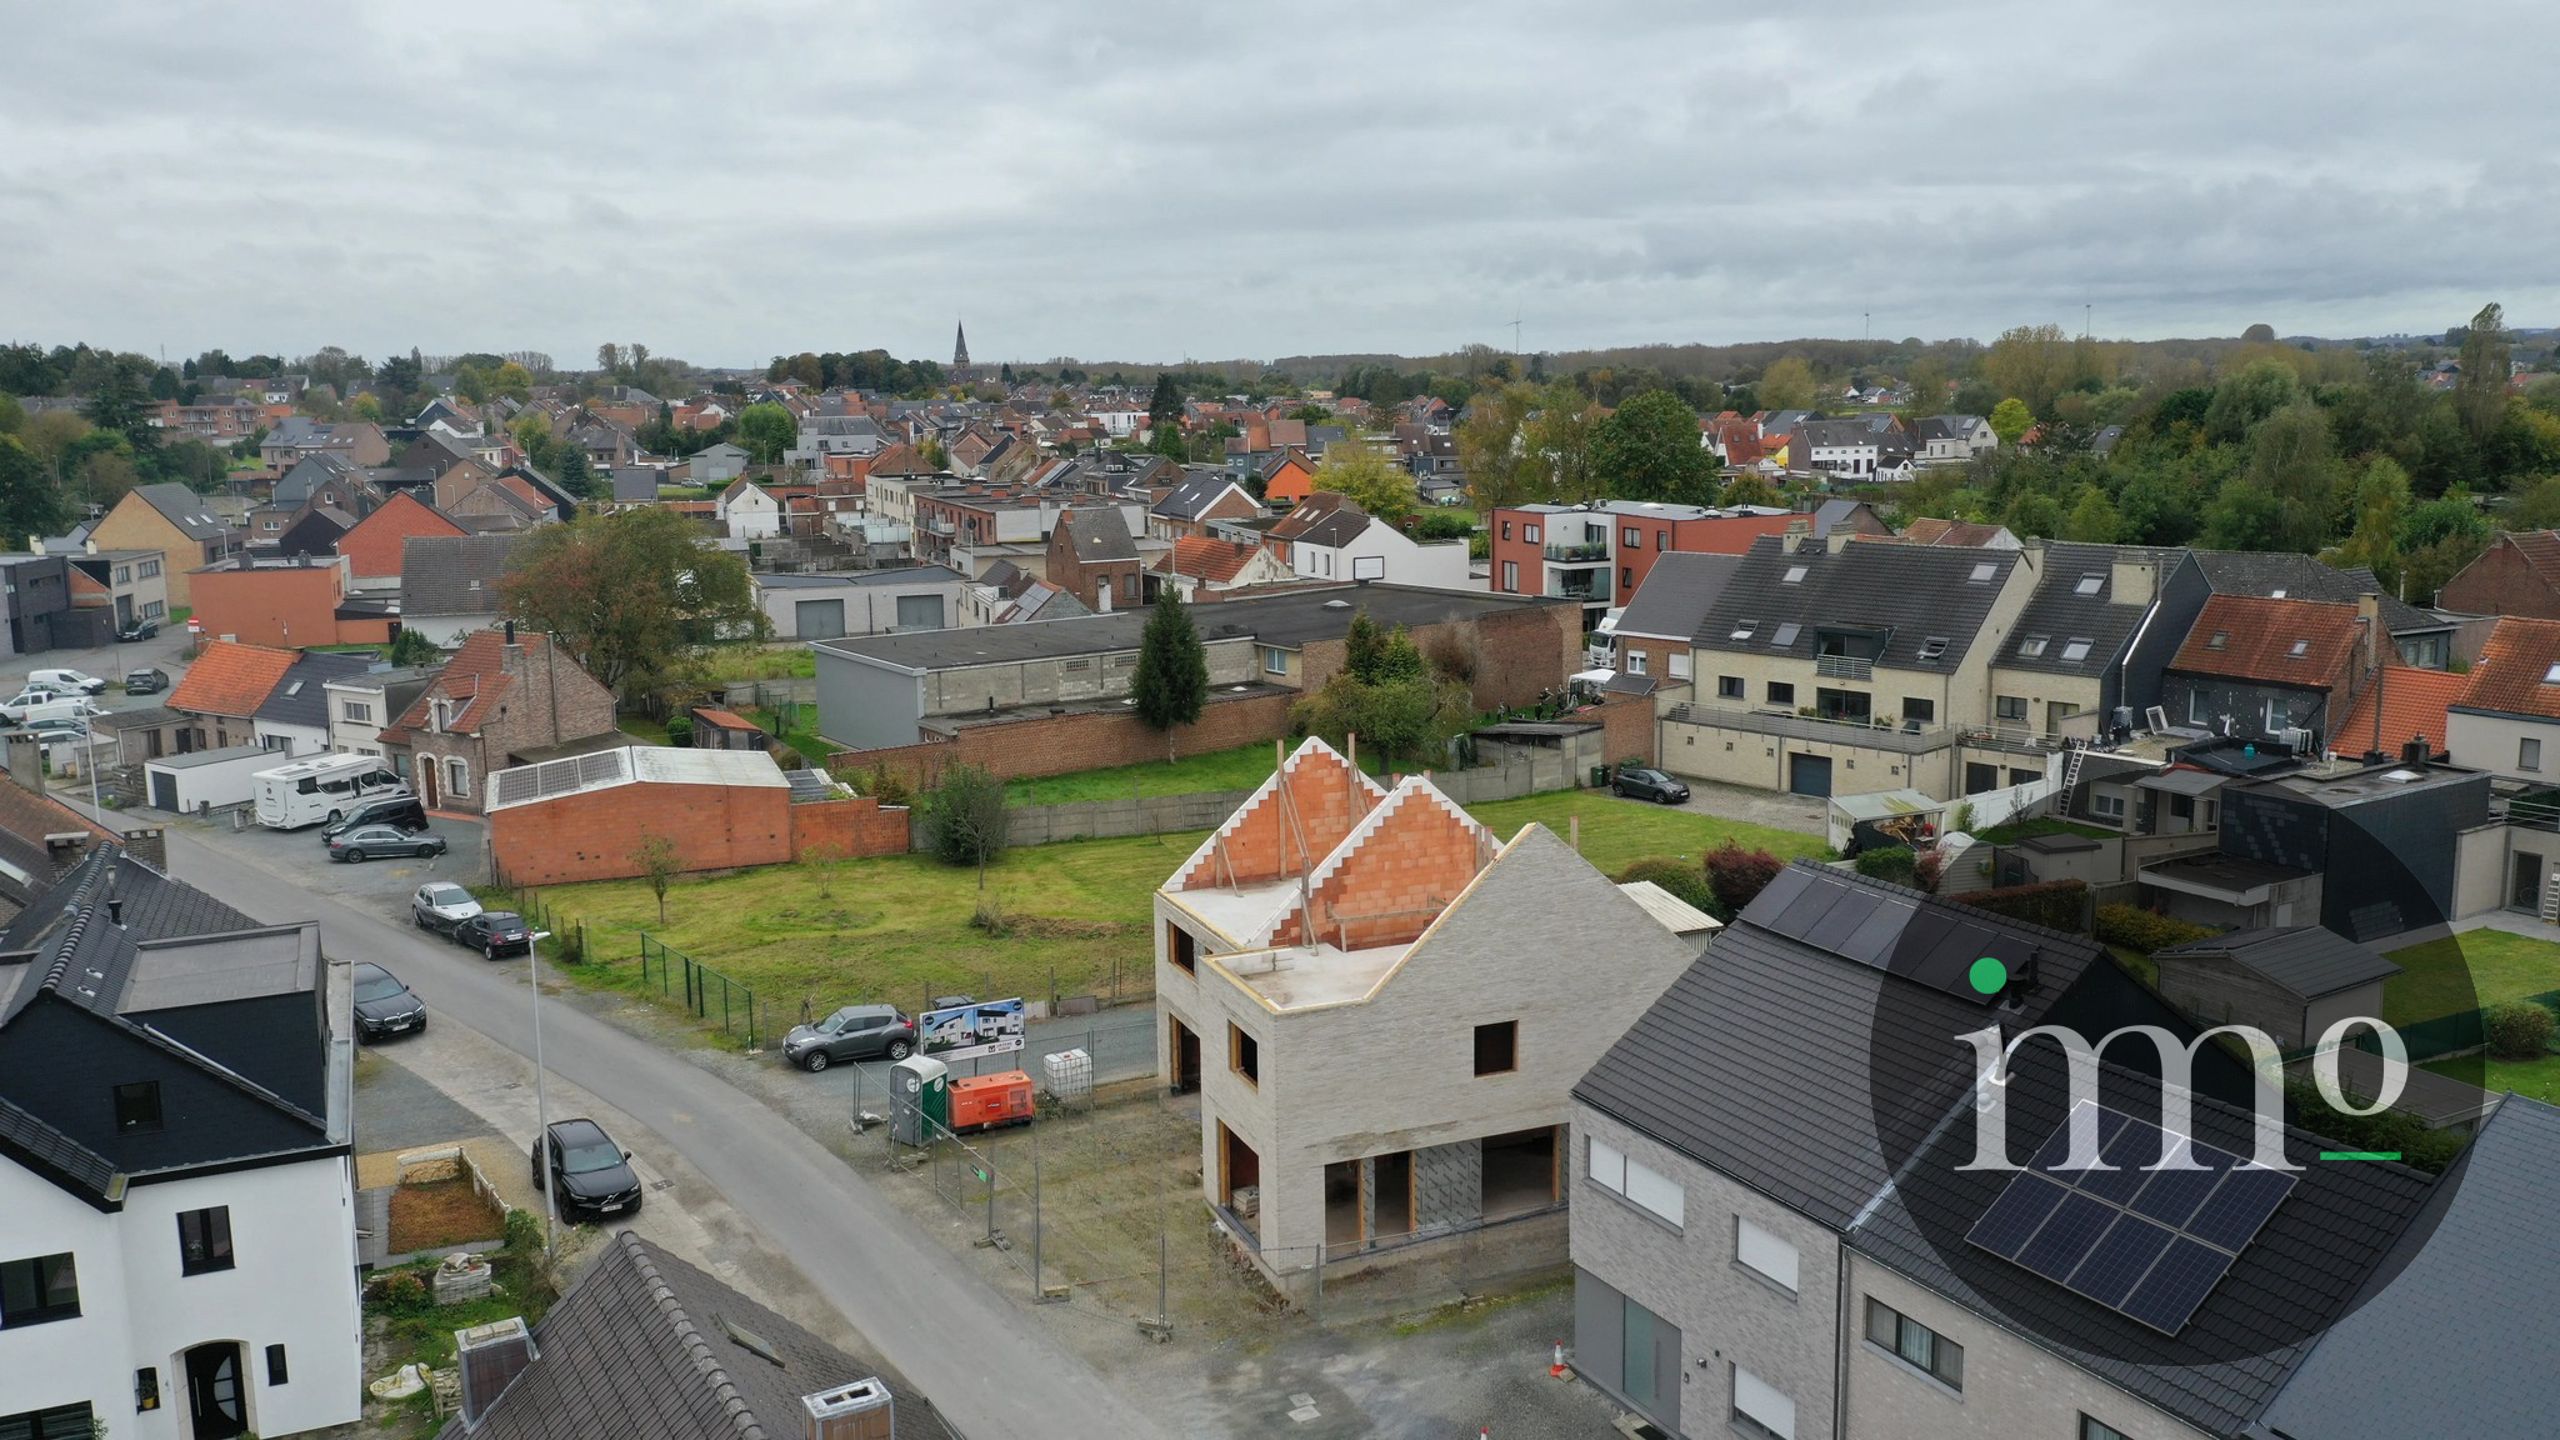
<point>1809,774</point>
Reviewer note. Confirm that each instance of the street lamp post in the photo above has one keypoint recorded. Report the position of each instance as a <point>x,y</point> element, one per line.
<point>541,1101</point>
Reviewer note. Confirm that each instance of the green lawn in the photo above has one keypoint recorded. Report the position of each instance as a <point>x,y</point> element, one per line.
<point>730,664</point>
<point>1239,769</point>
<point>797,725</point>
<point>2017,830</point>
<point>899,928</point>
<point>642,728</point>
<point>2470,971</point>
<point>2537,1078</point>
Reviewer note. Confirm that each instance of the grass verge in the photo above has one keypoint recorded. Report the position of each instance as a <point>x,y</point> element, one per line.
<point>1241,768</point>
<point>2469,971</point>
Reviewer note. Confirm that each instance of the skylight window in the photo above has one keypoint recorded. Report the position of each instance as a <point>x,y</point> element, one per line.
<point>1982,573</point>
<point>1933,647</point>
<point>1786,635</point>
<point>2090,585</point>
<point>2220,639</point>
<point>1795,575</point>
<point>2300,649</point>
<point>2276,594</point>
<point>2032,646</point>
<point>1743,631</point>
<point>2076,649</point>
<point>2551,676</point>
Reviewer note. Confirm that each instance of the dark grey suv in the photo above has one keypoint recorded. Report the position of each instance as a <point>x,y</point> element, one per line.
<point>856,1032</point>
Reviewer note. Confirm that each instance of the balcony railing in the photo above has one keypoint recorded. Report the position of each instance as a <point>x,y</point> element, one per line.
<point>1844,667</point>
<point>1582,585</point>
<point>1588,552</point>
<point>1874,734</point>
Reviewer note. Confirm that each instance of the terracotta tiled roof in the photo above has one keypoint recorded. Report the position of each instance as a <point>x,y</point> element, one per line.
<point>1213,560</point>
<point>2285,642</point>
<point>230,679</point>
<point>476,675</point>
<point>2411,702</point>
<point>2513,673</point>
<point>2540,549</point>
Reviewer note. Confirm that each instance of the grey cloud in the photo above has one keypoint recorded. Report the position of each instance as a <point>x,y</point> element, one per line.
<point>1154,180</point>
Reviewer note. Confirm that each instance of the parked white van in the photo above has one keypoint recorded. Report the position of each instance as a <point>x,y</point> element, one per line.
<point>77,682</point>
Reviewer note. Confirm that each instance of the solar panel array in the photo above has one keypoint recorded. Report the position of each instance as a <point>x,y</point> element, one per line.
<point>1932,945</point>
<point>2149,1244</point>
<point>559,777</point>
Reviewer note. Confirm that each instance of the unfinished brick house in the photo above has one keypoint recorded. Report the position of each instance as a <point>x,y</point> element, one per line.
<point>502,699</point>
<point>1383,1009</point>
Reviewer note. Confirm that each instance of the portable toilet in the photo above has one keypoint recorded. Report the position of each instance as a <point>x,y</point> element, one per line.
<point>919,1100</point>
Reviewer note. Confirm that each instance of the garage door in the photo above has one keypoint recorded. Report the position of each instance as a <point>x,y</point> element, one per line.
<point>818,619</point>
<point>1809,774</point>
<point>164,790</point>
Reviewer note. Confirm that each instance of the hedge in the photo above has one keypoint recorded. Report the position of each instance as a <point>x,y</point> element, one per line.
<point>2143,932</point>
<point>1688,882</point>
<point>1889,862</point>
<point>1738,876</point>
<point>2518,1030</point>
<point>2055,904</point>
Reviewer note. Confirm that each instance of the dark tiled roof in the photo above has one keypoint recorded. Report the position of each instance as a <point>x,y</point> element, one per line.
<point>1195,494</point>
<point>437,573</point>
<point>299,698</point>
<point>183,508</point>
<point>2058,611</point>
<point>2459,1292</point>
<point>1909,594</point>
<point>644,1345</point>
<point>2249,1331</point>
<point>1098,535</point>
<point>2263,573</point>
<point>1676,595</point>
<point>2304,959</point>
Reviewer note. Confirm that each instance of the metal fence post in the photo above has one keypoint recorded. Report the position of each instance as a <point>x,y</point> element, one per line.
<point>1037,1292</point>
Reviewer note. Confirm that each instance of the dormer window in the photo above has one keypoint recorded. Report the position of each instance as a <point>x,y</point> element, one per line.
<point>2090,585</point>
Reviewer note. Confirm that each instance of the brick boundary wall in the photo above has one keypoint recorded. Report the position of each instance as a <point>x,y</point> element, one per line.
<point>1044,745</point>
<point>1626,723</point>
<point>847,828</point>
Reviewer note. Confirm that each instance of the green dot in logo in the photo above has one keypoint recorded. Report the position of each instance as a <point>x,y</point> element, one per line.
<point>1988,975</point>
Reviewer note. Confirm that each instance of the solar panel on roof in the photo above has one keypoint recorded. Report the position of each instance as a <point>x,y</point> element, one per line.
<point>2147,1243</point>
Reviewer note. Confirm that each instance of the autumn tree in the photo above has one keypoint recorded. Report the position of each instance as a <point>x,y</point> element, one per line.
<point>2480,395</point>
<point>1786,385</point>
<point>630,595</point>
<point>1369,478</point>
<point>659,863</point>
<point>2010,419</point>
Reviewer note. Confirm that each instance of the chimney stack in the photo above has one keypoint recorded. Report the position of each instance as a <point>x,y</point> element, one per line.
<point>490,1357</point>
<point>26,762</point>
<point>863,1410</point>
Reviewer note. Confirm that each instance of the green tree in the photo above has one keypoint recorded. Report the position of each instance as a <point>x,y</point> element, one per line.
<point>1502,467</point>
<point>2011,419</point>
<point>2480,395</point>
<point>2289,458</point>
<point>122,404</point>
<point>1751,490</point>
<point>1369,478</point>
<point>2244,517</point>
<point>2260,389</point>
<point>660,863</point>
<point>2093,520</point>
<point>366,406</point>
<point>2031,362</point>
<point>765,431</point>
<point>1172,679</point>
<point>1649,450</point>
<point>1786,385</point>
<point>1164,407</point>
<point>412,647</point>
<point>512,381</point>
<point>966,821</point>
<point>630,595</point>
<point>31,503</point>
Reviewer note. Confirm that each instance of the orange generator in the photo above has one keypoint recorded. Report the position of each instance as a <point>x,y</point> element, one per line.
<point>983,1102</point>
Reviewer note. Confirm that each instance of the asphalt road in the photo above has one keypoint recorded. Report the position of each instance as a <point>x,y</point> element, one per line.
<point>973,1353</point>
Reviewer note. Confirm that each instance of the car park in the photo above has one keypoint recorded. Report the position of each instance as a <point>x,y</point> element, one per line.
<point>384,1006</point>
<point>495,933</point>
<point>589,1175</point>
<point>78,682</point>
<point>400,811</point>
<point>442,905</point>
<point>138,630</point>
<point>856,1032</point>
<point>38,702</point>
<point>1637,782</point>
<point>149,680</point>
<point>367,842</point>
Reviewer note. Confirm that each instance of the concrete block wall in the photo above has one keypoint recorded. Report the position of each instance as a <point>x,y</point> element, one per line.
<point>1448,1184</point>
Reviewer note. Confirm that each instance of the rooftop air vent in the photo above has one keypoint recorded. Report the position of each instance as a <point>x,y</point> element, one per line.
<point>1337,604</point>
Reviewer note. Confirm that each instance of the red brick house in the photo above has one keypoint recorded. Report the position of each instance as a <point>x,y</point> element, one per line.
<point>502,695</point>
<point>1093,557</point>
<point>372,548</point>
<point>2518,575</point>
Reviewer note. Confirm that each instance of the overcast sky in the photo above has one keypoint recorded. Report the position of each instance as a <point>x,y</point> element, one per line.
<point>1150,181</point>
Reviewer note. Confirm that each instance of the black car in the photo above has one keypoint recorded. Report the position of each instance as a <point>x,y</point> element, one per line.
<point>384,1006</point>
<point>145,681</point>
<point>139,630</point>
<point>494,933</point>
<point>367,841</point>
<point>1638,783</point>
<point>590,1175</point>
<point>856,1032</point>
<point>400,812</point>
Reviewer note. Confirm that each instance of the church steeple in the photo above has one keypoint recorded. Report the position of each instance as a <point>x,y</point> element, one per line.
<point>960,348</point>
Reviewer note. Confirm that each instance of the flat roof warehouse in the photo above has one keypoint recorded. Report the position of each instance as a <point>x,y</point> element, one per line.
<point>1288,621</point>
